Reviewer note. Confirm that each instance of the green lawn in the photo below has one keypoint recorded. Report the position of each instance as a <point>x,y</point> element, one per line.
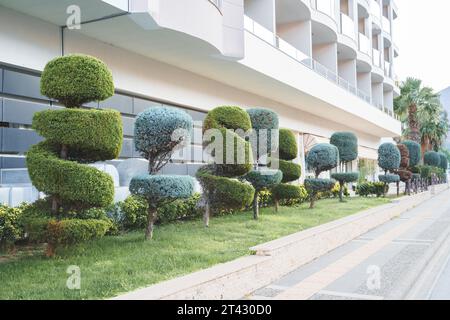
<point>114,265</point>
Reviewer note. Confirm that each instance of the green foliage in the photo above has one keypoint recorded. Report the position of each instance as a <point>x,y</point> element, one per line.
<point>366,189</point>
<point>389,178</point>
<point>443,163</point>
<point>425,171</point>
<point>264,178</point>
<point>10,227</point>
<point>347,144</point>
<point>388,157</point>
<point>263,119</point>
<point>90,135</point>
<point>227,117</point>
<point>432,158</point>
<point>322,157</point>
<point>291,171</point>
<point>288,147</point>
<point>288,194</point>
<point>415,152</point>
<point>336,189</point>
<point>314,186</point>
<point>159,131</point>
<point>72,231</point>
<point>160,188</point>
<point>77,79</point>
<point>346,177</point>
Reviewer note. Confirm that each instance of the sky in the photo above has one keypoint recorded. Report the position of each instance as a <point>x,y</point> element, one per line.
<point>421,32</point>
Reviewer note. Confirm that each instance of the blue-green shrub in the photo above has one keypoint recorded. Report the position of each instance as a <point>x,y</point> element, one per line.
<point>347,144</point>
<point>432,158</point>
<point>316,186</point>
<point>263,119</point>
<point>388,157</point>
<point>159,188</point>
<point>389,178</point>
<point>322,157</point>
<point>443,163</point>
<point>415,152</point>
<point>264,178</point>
<point>344,178</point>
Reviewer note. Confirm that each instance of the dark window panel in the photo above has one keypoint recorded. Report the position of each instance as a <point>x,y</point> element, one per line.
<point>13,177</point>
<point>1,109</point>
<point>1,80</point>
<point>18,140</point>
<point>118,102</point>
<point>127,148</point>
<point>12,162</point>
<point>140,105</point>
<point>22,84</point>
<point>16,111</point>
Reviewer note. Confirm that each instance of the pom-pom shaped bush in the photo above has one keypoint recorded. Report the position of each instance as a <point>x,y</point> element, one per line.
<point>288,147</point>
<point>289,192</point>
<point>404,155</point>
<point>443,163</point>
<point>347,144</point>
<point>263,119</point>
<point>388,157</point>
<point>161,188</point>
<point>227,117</point>
<point>161,130</point>
<point>322,157</point>
<point>432,158</point>
<point>314,186</point>
<point>75,80</point>
<point>344,178</point>
<point>291,171</point>
<point>389,178</point>
<point>264,178</point>
<point>415,152</point>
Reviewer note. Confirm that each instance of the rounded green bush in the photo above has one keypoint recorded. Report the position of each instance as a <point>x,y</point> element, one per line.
<point>443,163</point>
<point>291,171</point>
<point>425,172</point>
<point>160,130</point>
<point>432,158</point>
<point>314,186</point>
<point>75,80</point>
<point>415,152</point>
<point>388,157</point>
<point>289,192</point>
<point>347,144</point>
<point>68,180</point>
<point>322,157</point>
<point>288,146</point>
<point>72,231</point>
<point>346,177</point>
<point>263,119</point>
<point>227,117</point>
<point>264,178</point>
<point>160,188</point>
<point>389,178</point>
<point>90,135</point>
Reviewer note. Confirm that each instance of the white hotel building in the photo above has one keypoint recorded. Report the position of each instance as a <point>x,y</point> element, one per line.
<point>322,65</point>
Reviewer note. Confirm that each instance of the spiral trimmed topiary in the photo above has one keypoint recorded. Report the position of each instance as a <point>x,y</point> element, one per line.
<point>219,189</point>
<point>432,158</point>
<point>288,145</point>
<point>415,152</point>
<point>158,133</point>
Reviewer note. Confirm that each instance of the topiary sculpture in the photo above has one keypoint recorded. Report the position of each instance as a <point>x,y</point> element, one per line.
<point>158,133</point>
<point>347,144</point>
<point>432,158</point>
<point>389,159</point>
<point>443,163</point>
<point>221,189</point>
<point>74,137</point>
<point>320,158</point>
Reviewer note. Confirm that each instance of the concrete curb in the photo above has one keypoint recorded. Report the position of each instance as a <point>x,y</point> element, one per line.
<point>272,260</point>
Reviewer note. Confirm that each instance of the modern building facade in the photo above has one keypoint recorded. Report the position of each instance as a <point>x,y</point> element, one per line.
<point>322,65</point>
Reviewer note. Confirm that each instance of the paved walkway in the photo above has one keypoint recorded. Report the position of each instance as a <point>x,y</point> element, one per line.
<point>406,258</point>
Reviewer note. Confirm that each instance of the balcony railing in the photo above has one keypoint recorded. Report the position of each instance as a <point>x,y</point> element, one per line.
<point>387,69</point>
<point>375,10</point>
<point>376,58</point>
<point>348,26</point>
<point>386,24</point>
<point>364,44</point>
<point>326,6</point>
<point>267,36</point>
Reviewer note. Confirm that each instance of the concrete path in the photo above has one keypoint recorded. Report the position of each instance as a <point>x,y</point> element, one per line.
<point>406,258</point>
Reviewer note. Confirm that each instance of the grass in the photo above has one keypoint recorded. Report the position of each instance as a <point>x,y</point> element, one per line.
<point>119,264</point>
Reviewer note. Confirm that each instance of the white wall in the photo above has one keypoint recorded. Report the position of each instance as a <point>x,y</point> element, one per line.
<point>347,71</point>
<point>326,54</point>
<point>297,34</point>
<point>262,11</point>
<point>365,82</point>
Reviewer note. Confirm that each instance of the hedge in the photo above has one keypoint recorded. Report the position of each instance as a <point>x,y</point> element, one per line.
<point>347,144</point>
<point>415,152</point>
<point>346,177</point>
<point>389,178</point>
<point>372,188</point>
<point>432,158</point>
<point>10,229</point>
<point>388,157</point>
<point>76,79</point>
<point>289,192</point>
<point>156,188</point>
<point>443,163</point>
<point>288,148</point>
<point>90,135</point>
<point>322,157</point>
<point>264,178</point>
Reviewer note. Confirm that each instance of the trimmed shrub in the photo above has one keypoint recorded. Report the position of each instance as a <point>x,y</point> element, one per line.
<point>10,228</point>
<point>159,131</point>
<point>346,177</point>
<point>322,157</point>
<point>288,194</point>
<point>347,144</point>
<point>372,188</point>
<point>263,119</point>
<point>291,171</point>
<point>415,152</point>
<point>160,188</point>
<point>288,147</point>
<point>388,157</point>
<point>337,192</point>
<point>432,158</point>
<point>443,163</point>
<point>227,117</point>
<point>315,186</point>
<point>389,178</point>
<point>404,155</point>
<point>425,172</point>
<point>76,79</point>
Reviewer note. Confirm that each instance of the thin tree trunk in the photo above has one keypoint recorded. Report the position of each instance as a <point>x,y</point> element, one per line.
<point>277,205</point>
<point>206,214</point>
<point>256,207</point>
<point>150,222</point>
<point>398,189</point>
<point>341,191</point>
<point>313,199</point>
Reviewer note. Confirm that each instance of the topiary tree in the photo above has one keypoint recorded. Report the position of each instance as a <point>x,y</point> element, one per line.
<point>389,160</point>
<point>347,144</point>
<point>75,137</point>
<point>443,163</point>
<point>288,151</point>
<point>158,132</point>
<point>415,155</point>
<point>432,158</point>
<point>264,125</point>
<point>320,158</point>
<point>221,191</point>
<point>403,172</point>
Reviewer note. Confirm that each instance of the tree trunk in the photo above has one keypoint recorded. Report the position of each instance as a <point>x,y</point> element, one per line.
<point>398,189</point>
<point>206,214</point>
<point>413,123</point>
<point>256,207</point>
<point>150,222</point>
<point>277,205</point>
<point>341,191</point>
<point>313,199</point>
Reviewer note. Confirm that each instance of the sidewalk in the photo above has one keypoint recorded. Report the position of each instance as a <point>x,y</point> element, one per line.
<point>384,263</point>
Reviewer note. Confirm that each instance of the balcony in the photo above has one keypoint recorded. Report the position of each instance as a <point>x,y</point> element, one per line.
<point>348,26</point>
<point>387,69</point>
<point>326,6</point>
<point>258,30</point>
<point>375,10</point>
<point>376,58</point>
<point>364,44</point>
<point>386,24</point>
<point>290,50</point>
